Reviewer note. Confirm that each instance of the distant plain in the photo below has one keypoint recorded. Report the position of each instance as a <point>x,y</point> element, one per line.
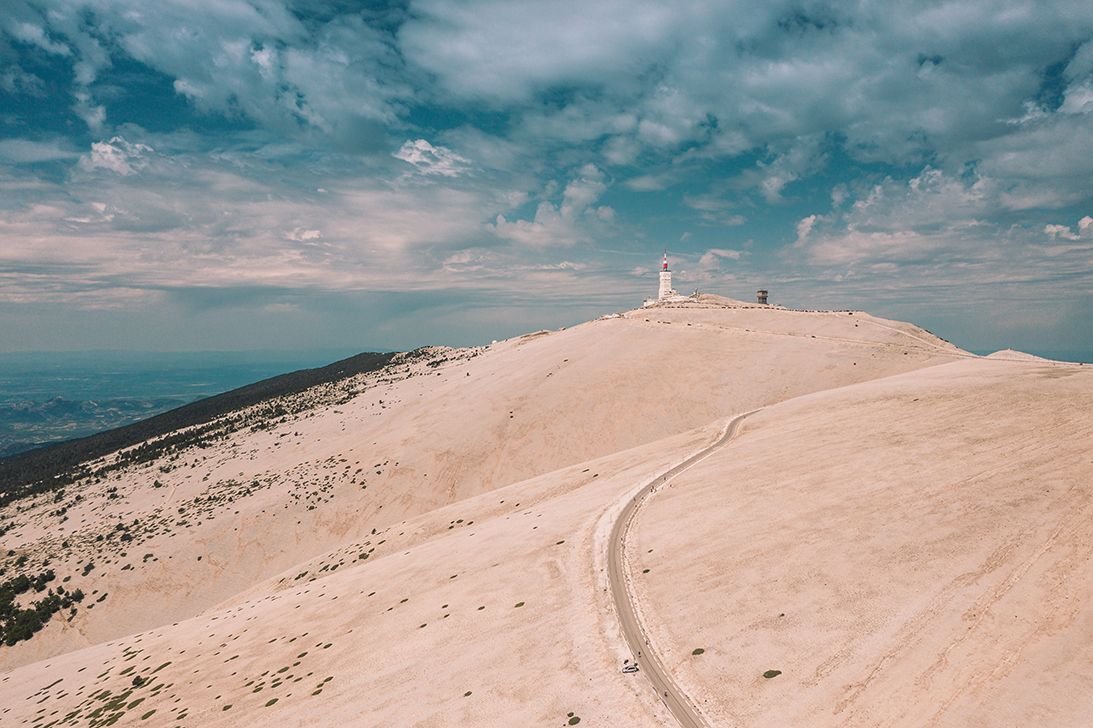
<point>52,396</point>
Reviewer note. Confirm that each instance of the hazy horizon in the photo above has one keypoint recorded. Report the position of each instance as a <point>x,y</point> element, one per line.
<point>46,398</point>
<point>332,355</point>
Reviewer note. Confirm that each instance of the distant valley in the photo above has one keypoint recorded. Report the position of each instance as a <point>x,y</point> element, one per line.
<point>48,397</point>
<point>27,424</point>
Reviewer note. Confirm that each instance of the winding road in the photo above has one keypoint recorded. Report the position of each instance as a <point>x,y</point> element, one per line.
<point>648,662</point>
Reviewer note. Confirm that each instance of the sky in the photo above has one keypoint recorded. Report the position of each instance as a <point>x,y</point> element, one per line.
<point>282,174</point>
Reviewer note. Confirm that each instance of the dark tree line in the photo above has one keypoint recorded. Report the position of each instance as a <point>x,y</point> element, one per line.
<point>20,623</point>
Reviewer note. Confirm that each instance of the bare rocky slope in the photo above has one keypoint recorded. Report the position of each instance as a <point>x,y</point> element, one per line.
<point>424,544</point>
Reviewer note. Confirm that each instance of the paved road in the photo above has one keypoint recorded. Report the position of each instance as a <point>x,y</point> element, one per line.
<point>651,667</point>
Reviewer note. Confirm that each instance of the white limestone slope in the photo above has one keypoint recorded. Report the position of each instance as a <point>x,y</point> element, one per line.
<point>905,549</point>
<point>910,551</point>
<point>419,437</point>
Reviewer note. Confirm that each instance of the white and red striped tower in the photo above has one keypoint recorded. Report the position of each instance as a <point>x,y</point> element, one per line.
<point>665,279</point>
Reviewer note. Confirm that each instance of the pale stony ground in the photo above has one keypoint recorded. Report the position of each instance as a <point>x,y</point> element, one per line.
<point>404,635</point>
<point>390,534</point>
<point>229,516</point>
<point>909,551</point>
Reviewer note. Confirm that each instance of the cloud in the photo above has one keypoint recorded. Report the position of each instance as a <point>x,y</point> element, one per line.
<point>789,163</point>
<point>129,219</point>
<point>36,35</point>
<point>156,147</point>
<point>583,190</point>
<point>804,227</point>
<point>714,208</point>
<point>466,261</point>
<point>118,156</point>
<point>1084,230</point>
<point>712,258</point>
<point>903,221</point>
<point>506,51</point>
<point>906,242</point>
<point>566,223</point>
<point>281,308</point>
<point>1078,97</point>
<point>430,160</point>
<point>255,58</point>
<point>648,183</point>
<point>92,114</point>
<point>303,235</point>
<point>767,74</point>
<point>27,151</point>
<point>634,80</point>
<point>16,81</point>
<point>1043,163</point>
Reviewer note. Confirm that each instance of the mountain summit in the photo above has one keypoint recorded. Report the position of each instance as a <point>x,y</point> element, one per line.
<point>896,529</point>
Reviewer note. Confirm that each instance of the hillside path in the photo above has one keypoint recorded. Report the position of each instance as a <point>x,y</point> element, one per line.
<point>649,664</point>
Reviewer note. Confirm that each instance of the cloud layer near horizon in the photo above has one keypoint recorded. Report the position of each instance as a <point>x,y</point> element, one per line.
<point>270,158</point>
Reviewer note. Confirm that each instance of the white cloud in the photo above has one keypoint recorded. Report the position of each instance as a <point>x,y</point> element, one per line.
<point>903,242</point>
<point>1084,230</point>
<point>430,160</point>
<point>302,235</point>
<point>803,157</point>
<point>237,57</point>
<point>130,219</point>
<point>548,227</point>
<point>714,208</point>
<point>281,308</point>
<point>647,183</point>
<point>740,103</point>
<point>901,86</point>
<point>1043,163</point>
<point>902,221</point>
<point>583,190</point>
<point>566,223</point>
<point>92,114</point>
<point>631,79</point>
<point>1078,97</point>
<point>466,261</point>
<point>36,35</point>
<point>118,156</point>
<point>500,50</point>
<point>712,257</point>
<point>804,228</point>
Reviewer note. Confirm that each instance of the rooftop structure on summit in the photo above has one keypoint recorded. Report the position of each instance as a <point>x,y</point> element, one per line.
<point>665,279</point>
<point>665,293</point>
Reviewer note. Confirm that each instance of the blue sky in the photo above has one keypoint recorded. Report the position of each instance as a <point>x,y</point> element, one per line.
<point>236,174</point>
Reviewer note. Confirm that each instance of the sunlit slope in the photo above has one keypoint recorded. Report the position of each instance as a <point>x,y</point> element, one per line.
<point>911,551</point>
<point>172,538</point>
<point>886,545</point>
<point>490,611</point>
